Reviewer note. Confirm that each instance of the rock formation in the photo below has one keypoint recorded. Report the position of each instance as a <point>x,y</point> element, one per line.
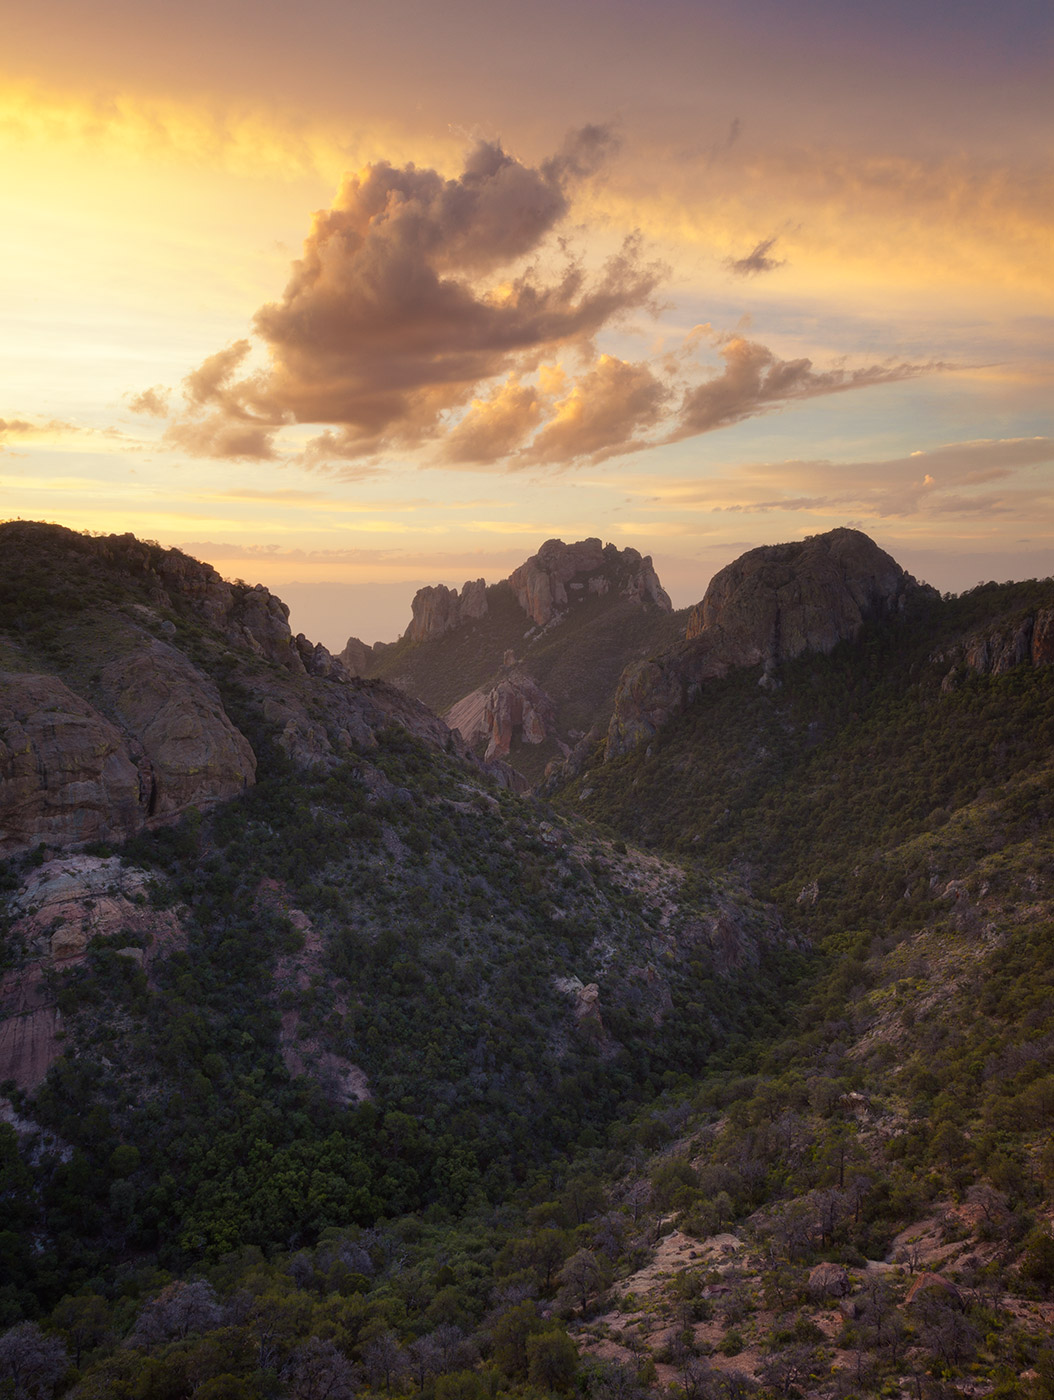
<point>61,906</point>
<point>1027,640</point>
<point>771,605</point>
<point>188,750</point>
<point>542,583</point>
<point>439,609</point>
<point>516,707</point>
<point>65,772</point>
<point>356,657</point>
<point>133,730</point>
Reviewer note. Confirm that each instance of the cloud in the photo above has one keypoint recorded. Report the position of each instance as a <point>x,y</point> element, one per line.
<point>755,380</point>
<point>413,291</point>
<point>757,260</point>
<point>604,412</point>
<point>496,425</point>
<point>22,427</point>
<point>951,480</point>
<point>152,402</point>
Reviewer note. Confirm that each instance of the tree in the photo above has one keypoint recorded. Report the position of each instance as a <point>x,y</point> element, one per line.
<point>552,1360</point>
<point>31,1361</point>
<point>320,1371</point>
<point>579,1277</point>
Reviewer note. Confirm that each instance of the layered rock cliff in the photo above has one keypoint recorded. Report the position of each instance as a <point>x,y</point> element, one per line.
<point>769,606</point>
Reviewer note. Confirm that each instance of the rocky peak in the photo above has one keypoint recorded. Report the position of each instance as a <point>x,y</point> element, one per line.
<point>438,609</point>
<point>544,583</point>
<point>770,605</point>
<point>777,602</point>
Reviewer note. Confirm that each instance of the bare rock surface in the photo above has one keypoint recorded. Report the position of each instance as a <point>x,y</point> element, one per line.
<point>190,752</point>
<point>770,605</point>
<point>541,584</point>
<point>58,910</point>
<point>1021,641</point>
<point>65,771</point>
<point>438,609</point>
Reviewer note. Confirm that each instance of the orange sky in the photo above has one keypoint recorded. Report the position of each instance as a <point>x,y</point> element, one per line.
<point>353,296</point>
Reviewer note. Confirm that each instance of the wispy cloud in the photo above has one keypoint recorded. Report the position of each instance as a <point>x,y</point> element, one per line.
<point>757,260</point>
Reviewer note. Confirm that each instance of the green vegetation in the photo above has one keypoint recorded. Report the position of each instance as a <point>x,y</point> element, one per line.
<point>799,1144</point>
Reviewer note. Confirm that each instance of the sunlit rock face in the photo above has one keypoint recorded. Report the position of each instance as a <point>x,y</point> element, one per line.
<point>771,605</point>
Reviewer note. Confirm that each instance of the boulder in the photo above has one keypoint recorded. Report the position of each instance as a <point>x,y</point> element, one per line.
<point>828,1280</point>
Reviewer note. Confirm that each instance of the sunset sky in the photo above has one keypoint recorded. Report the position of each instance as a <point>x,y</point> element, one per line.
<point>348,298</point>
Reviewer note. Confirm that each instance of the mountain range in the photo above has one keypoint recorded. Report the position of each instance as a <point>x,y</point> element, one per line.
<point>335,1059</point>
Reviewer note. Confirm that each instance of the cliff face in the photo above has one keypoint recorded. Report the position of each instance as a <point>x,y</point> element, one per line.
<point>438,610</point>
<point>111,715</point>
<point>542,585</point>
<point>770,605</point>
<point>516,707</point>
<point>1016,642</point>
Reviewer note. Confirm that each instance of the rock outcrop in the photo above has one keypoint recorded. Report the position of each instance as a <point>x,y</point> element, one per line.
<point>543,584</point>
<point>187,750</point>
<point>1027,640</point>
<point>771,605</point>
<point>356,657</point>
<point>437,610</point>
<point>133,730</point>
<point>65,772</point>
<point>60,907</point>
<point>515,708</point>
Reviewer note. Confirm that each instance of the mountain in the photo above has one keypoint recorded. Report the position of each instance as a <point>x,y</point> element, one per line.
<point>525,668</point>
<point>725,1069</point>
<point>252,899</point>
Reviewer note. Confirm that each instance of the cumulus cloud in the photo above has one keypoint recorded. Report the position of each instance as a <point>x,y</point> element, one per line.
<point>605,411</point>
<point>153,402</point>
<point>429,310</point>
<point>757,260</point>
<point>412,292</point>
<point>755,380</point>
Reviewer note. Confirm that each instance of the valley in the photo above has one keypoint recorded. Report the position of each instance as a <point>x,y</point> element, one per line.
<point>702,1047</point>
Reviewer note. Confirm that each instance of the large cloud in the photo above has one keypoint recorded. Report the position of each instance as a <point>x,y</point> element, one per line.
<point>429,308</point>
<point>411,292</point>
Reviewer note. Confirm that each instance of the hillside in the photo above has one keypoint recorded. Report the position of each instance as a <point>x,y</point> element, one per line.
<point>335,1067</point>
<point>528,666</point>
<point>252,903</point>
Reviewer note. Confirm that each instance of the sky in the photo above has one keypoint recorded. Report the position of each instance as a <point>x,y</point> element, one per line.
<point>347,299</point>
